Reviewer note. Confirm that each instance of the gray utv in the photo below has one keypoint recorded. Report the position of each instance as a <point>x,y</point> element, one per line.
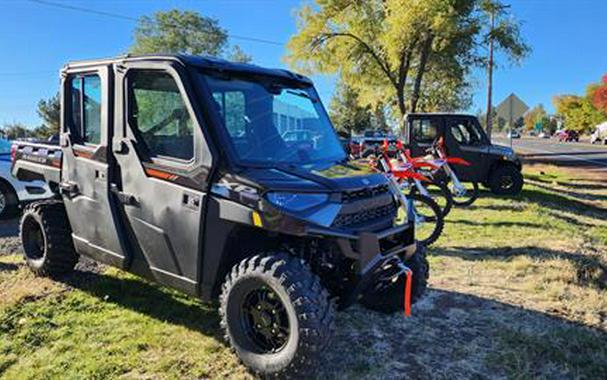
<point>226,181</point>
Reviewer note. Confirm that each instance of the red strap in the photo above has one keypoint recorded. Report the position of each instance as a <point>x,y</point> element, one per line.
<point>408,293</point>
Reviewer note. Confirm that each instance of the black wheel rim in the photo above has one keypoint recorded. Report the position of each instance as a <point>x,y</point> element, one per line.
<point>33,239</point>
<point>264,320</point>
<point>506,182</point>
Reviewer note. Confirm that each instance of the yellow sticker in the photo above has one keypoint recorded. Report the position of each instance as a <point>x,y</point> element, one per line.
<point>257,219</point>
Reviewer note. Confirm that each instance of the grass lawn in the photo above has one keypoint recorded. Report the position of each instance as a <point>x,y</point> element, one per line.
<point>518,290</point>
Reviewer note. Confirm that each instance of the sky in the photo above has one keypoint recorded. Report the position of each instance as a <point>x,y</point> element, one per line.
<point>569,41</point>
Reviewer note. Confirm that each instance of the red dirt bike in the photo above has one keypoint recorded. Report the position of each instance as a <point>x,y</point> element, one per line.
<point>427,214</point>
<point>437,190</point>
<point>444,175</point>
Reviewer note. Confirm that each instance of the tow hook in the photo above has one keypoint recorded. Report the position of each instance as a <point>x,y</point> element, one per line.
<point>408,283</point>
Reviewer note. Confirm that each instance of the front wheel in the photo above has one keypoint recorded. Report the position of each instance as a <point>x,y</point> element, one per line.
<point>467,197</point>
<point>429,220</point>
<point>276,315</point>
<point>506,180</point>
<point>9,203</point>
<point>440,193</point>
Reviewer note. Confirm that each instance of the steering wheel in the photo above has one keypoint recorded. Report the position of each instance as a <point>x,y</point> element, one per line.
<point>177,114</point>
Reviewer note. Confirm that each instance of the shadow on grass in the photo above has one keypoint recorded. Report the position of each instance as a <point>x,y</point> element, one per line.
<point>573,194</point>
<point>590,270</point>
<point>456,335</point>
<point>495,224</point>
<point>8,267</point>
<point>140,296</point>
<point>559,202</point>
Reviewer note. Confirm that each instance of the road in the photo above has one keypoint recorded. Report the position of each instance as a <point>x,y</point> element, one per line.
<point>580,155</point>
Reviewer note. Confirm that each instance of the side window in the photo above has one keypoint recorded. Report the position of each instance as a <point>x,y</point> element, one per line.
<point>464,133</point>
<point>159,115</point>
<point>85,108</point>
<point>424,130</point>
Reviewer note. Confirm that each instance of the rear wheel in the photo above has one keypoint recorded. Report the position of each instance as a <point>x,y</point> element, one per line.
<point>9,203</point>
<point>276,315</point>
<point>506,180</point>
<point>390,299</point>
<point>46,237</point>
<point>429,221</point>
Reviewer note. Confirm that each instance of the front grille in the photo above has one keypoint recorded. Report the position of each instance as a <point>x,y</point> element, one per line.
<point>366,217</point>
<point>369,192</point>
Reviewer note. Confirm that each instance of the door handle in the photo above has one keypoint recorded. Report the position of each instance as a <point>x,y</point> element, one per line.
<point>124,198</point>
<point>69,188</point>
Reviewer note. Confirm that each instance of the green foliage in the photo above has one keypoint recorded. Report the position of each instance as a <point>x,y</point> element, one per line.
<point>183,32</point>
<point>583,113</point>
<point>346,113</point>
<point>535,115</point>
<point>578,112</point>
<point>15,130</point>
<point>238,55</point>
<point>406,54</point>
<point>49,111</point>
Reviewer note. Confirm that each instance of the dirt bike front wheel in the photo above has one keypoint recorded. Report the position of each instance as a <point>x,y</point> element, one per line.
<point>468,197</point>
<point>429,221</point>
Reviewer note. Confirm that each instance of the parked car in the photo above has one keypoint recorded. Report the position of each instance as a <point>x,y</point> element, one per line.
<point>12,191</point>
<point>568,136</point>
<point>599,136</point>
<point>372,140</point>
<point>207,197</point>
<point>543,135</point>
<point>514,134</point>
<point>495,166</point>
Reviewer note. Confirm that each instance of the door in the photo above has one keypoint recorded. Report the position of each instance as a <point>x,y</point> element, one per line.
<point>464,139</point>
<point>423,131</point>
<point>85,168</point>
<point>163,164</point>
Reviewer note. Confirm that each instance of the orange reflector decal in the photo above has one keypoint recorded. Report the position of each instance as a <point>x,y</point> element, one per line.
<point>160,174</point>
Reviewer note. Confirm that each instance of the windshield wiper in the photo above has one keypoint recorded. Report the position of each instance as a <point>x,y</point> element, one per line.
<point>302,95</point>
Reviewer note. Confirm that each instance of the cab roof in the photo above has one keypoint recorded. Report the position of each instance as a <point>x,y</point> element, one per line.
<point>206,62</point>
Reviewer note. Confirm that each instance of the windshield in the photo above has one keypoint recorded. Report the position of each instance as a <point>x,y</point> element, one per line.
<point>268,121</point>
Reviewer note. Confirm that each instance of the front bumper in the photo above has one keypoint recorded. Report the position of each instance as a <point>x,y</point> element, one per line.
<point>372,252</point>
<point>368,248</point>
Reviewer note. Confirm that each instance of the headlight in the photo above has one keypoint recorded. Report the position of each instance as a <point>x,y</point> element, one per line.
<point>296,202</point>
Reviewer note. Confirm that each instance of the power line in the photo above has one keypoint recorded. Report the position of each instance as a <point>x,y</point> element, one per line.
<point>135,19</point>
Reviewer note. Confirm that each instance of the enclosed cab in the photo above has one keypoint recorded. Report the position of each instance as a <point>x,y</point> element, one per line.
<point>495,166</point>
<point>226,181</point>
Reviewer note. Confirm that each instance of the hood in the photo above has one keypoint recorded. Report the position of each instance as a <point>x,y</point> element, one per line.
<point>502,150</point>
<point>335,177</point>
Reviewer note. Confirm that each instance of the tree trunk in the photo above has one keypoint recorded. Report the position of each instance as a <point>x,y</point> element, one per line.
<point>421,69</point>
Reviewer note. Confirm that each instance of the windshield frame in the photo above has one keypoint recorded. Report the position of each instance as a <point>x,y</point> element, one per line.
<point>222,133</point>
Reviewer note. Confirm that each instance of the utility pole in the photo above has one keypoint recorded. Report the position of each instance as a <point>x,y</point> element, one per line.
<point>490,78</point>
<point>493,9</point>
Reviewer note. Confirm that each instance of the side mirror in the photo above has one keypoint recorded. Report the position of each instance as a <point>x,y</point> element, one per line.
<point>119,147</point>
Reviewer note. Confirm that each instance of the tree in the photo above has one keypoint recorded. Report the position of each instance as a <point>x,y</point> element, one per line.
<point>533,116</point>
<point>598,95</point>
<point>183,32</point>
<point>346,113</point>
<point>578,112</point>
<point>49,111</point>
<point>15,130</point>
<point>384,49</point>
